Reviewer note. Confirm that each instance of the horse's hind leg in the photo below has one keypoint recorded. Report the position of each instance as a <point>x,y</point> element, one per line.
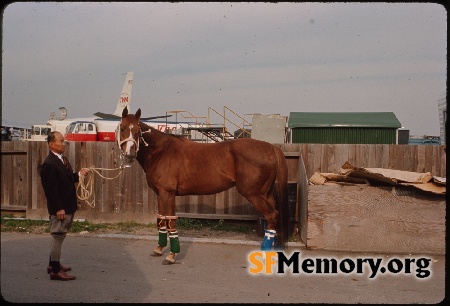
<point>266,206</point>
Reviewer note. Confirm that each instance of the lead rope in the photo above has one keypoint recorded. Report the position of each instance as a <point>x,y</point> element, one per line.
<point>85,188</point>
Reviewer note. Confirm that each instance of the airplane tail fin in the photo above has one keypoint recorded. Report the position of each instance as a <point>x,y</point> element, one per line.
<point>125,95</point>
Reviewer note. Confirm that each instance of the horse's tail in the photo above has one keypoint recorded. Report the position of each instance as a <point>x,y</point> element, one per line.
<point>281,198</point>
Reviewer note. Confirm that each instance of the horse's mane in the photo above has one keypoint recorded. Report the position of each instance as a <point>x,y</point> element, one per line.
<point>145,127</point>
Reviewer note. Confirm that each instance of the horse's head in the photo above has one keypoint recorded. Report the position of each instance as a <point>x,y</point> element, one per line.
<point>128,133</point>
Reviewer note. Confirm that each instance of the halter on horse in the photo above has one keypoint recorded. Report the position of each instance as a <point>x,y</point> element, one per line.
<point>176,166</point>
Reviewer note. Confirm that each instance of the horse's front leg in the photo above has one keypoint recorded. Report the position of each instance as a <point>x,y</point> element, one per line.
<point>162,235</point>
<point>166,222</point>
<point>171,224</point>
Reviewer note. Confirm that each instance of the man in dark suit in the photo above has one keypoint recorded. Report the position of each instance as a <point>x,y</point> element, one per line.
<point>58,181</point>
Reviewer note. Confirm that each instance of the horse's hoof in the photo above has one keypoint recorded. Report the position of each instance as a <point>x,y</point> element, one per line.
<point>167,262</point>
<point>155,254</point>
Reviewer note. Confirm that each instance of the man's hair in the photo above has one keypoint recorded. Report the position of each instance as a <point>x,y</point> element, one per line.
<point>51,136</point>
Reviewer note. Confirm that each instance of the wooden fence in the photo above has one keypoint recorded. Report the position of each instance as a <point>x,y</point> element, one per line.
<point>416,158</point>
<point>129,198</point>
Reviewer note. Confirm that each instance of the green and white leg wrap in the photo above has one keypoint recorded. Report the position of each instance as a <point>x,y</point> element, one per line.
<point>171,223</point>
<point>162,231</point>
<point>162,238</point>
<point>174,242</point>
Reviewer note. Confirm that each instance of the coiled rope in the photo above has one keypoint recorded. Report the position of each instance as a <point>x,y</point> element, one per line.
<point>85,188</point>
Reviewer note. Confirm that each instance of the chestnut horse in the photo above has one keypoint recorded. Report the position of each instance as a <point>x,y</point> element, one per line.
<point>175,166</point>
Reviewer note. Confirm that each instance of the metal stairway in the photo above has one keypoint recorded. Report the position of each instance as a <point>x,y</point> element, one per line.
<point>214,133</point>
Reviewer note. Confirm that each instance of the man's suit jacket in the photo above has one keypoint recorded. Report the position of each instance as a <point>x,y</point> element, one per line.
<point>59,185</point>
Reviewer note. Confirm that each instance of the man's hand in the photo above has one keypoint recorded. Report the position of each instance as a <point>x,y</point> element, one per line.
<point>61,214</point>
<point>84,171</point>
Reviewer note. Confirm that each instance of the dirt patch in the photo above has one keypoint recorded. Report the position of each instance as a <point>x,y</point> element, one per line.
<point>204,232</point>
<point>198,233</point>
<point>247,230</point>
<point>208,233</point>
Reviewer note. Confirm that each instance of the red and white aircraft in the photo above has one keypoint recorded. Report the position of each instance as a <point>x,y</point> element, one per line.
<point>93,129</point>
<point>103,127</point>
<point>39,132</point>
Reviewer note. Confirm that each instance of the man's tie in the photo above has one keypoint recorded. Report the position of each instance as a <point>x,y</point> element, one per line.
<point>66,163</point>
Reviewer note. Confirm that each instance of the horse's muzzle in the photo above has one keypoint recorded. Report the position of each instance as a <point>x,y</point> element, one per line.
<point>126,160</point>
<point>129,159</point>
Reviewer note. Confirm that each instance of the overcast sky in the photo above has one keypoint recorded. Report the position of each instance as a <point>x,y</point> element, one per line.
<point>267,58</point>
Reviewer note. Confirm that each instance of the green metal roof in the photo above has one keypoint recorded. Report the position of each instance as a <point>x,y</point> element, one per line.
<point>354,119</point>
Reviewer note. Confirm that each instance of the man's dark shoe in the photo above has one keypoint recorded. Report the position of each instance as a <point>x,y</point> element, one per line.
<point>64,268</point>
<point>61,275</point>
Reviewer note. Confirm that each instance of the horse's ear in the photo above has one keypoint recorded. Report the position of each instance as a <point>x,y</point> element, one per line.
<point>125,112</point>
<point>138,114</point>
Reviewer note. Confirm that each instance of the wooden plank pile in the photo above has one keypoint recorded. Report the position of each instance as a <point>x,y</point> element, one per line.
<point>376,210</point>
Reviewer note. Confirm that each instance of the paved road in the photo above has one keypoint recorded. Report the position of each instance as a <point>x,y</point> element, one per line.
<point>120,270</point>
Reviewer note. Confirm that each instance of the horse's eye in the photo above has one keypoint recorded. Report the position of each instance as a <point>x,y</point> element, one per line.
<point>122,129</point>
